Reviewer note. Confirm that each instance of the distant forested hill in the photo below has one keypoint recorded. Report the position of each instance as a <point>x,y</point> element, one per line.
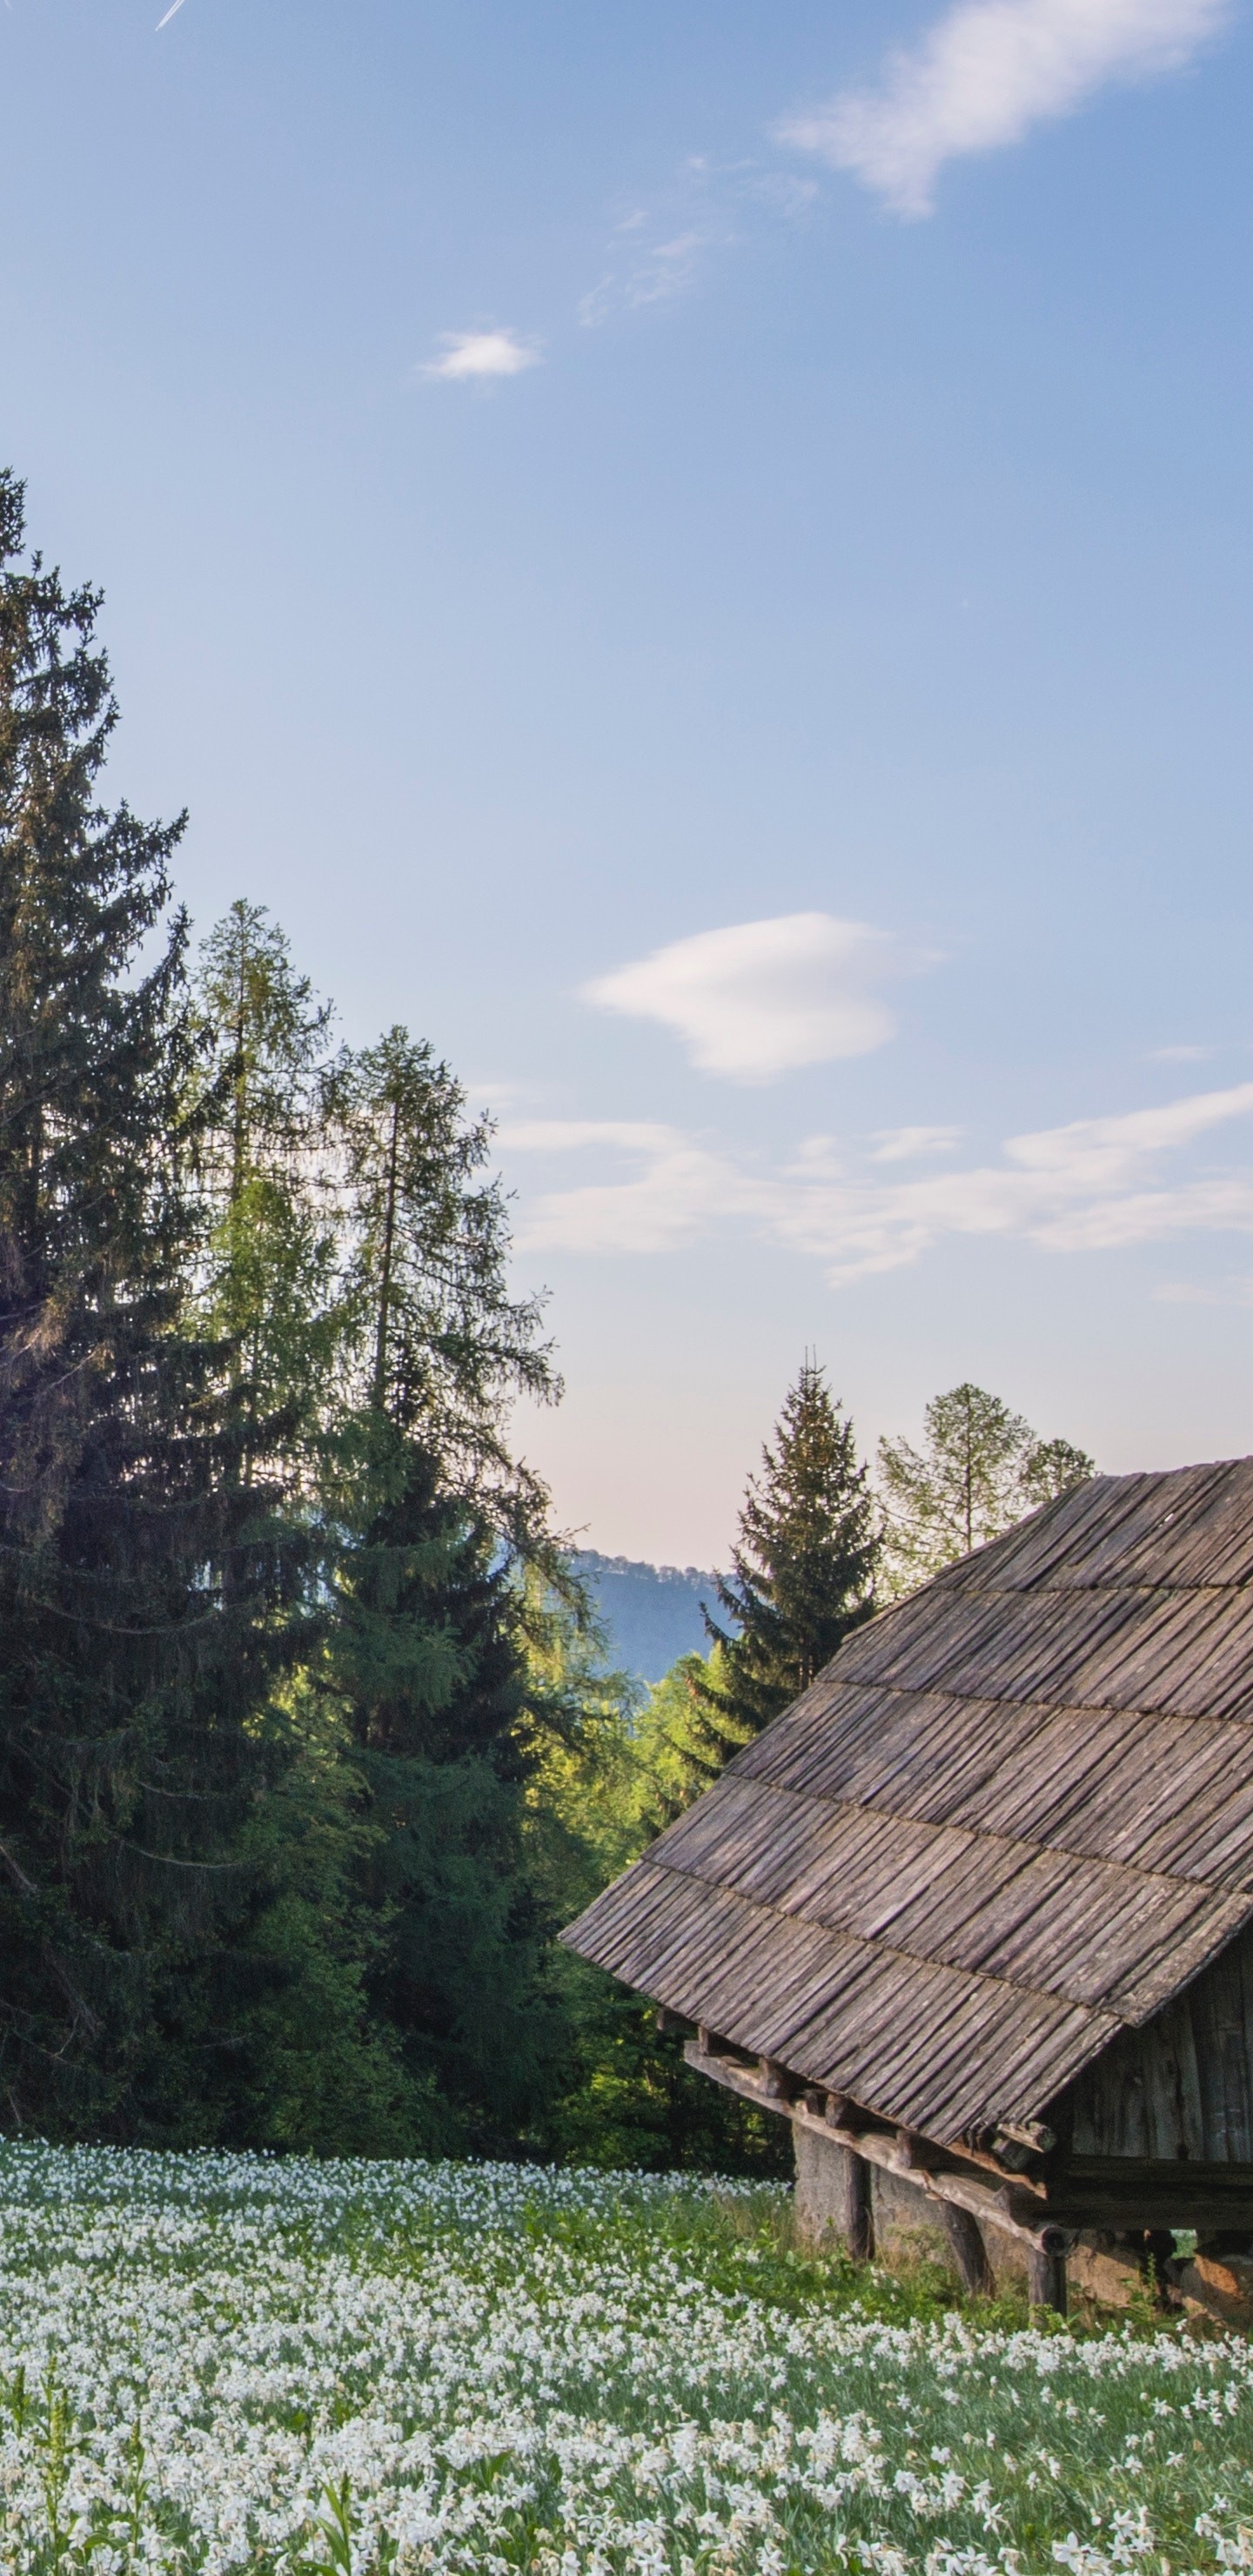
<point>652,1612</point>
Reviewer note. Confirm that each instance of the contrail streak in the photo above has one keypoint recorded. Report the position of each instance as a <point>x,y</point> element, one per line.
<point>170,13</point>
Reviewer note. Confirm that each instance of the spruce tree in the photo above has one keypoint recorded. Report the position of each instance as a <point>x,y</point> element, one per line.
<point>134,1591</point>
<point>803,1574</point>
<point>427,1654</point>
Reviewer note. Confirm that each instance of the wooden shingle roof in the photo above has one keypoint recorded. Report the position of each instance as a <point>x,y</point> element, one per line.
<point>1012,1817</point>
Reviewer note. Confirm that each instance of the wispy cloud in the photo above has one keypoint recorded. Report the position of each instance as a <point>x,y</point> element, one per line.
<point>1180,1054</point>
<point>658,252</point>
<point>905,1144</point>
<point>677,1190</point>
<point>1097,1184</point>
<point>476,357</point>
<point>764,997</point>
<point>1237,1291</point>
<point>987,72</point>
<point>653,272</point>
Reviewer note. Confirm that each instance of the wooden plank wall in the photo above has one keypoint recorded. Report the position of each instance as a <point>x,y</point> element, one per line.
<point>1180,2088</point>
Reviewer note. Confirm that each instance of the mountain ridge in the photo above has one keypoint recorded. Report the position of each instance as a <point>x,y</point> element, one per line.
<point>651,1613</point>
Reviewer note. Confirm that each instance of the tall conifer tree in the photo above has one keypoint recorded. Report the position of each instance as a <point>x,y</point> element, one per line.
<point>130,1646</point>
<point>803,1573</point>
<point>270,1260</point>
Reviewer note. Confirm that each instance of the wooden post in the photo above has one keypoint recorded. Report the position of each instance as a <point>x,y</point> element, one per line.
<point>858,2228</point>
<point>969,2252</point>
<point>1046,2273</point>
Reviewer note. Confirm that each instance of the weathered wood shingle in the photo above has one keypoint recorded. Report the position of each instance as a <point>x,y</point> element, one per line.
<point>1009,1824</point>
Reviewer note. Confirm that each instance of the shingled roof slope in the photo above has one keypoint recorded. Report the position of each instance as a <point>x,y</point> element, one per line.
<point>1013,1816</point>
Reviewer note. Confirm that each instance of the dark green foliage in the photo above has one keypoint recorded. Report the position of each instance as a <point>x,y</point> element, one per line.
<point>803,1572</point>
<point>135,1582</point>
<point>314,2067</point>
<point>427,1659</point>
<point>385,1984</point>
<point>425,1645</point>
<point>630,2100</point>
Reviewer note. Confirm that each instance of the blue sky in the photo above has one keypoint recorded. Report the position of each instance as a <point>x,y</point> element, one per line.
<point>573,484</point>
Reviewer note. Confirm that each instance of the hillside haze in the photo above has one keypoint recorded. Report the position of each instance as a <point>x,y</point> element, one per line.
<point>651,1613</point>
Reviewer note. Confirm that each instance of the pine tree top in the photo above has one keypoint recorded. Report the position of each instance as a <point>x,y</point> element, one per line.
<point>803,1567</point>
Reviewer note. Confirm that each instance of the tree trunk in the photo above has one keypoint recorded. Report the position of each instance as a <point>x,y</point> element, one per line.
<point>385,1281</point>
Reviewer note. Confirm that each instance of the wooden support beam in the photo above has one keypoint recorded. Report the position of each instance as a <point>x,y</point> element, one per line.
<point>774,2079</point>
<point>856,2225</point>
<point>1046,2274</point>
<point>858,2228</point>
<point>1008,2209</point>
<point>1034,2134</point>
<point>1131,2193</point>
<point>970,2254</point>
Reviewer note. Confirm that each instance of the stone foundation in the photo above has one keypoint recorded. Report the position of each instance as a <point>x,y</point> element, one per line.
<point>1219,2286</point>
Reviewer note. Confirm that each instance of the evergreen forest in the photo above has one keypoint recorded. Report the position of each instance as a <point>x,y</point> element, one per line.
<point>309,1738</point>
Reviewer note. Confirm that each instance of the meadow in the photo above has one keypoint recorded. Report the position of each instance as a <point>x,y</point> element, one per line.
<point>213,2362</point>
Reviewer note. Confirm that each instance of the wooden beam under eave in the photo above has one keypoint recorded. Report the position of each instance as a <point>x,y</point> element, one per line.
<point>1008,2209</point>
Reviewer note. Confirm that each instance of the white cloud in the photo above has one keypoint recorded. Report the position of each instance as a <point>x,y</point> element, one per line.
<point>984,74</point>
<point>1096,1184</point>
<point>474,357</point>
<point>1104,1152</point>
<point>763,997</point>
<point>1186,1292</point>
<point>677,1191</point>
<point>905,1144</point>
<point>570,1135</point>
<point>1180,1054</point>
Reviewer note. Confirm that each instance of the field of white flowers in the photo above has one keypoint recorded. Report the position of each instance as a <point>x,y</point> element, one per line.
<point>220,2363</point>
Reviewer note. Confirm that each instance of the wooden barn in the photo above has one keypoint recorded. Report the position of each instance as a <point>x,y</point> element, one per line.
<point>976,1913</point>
